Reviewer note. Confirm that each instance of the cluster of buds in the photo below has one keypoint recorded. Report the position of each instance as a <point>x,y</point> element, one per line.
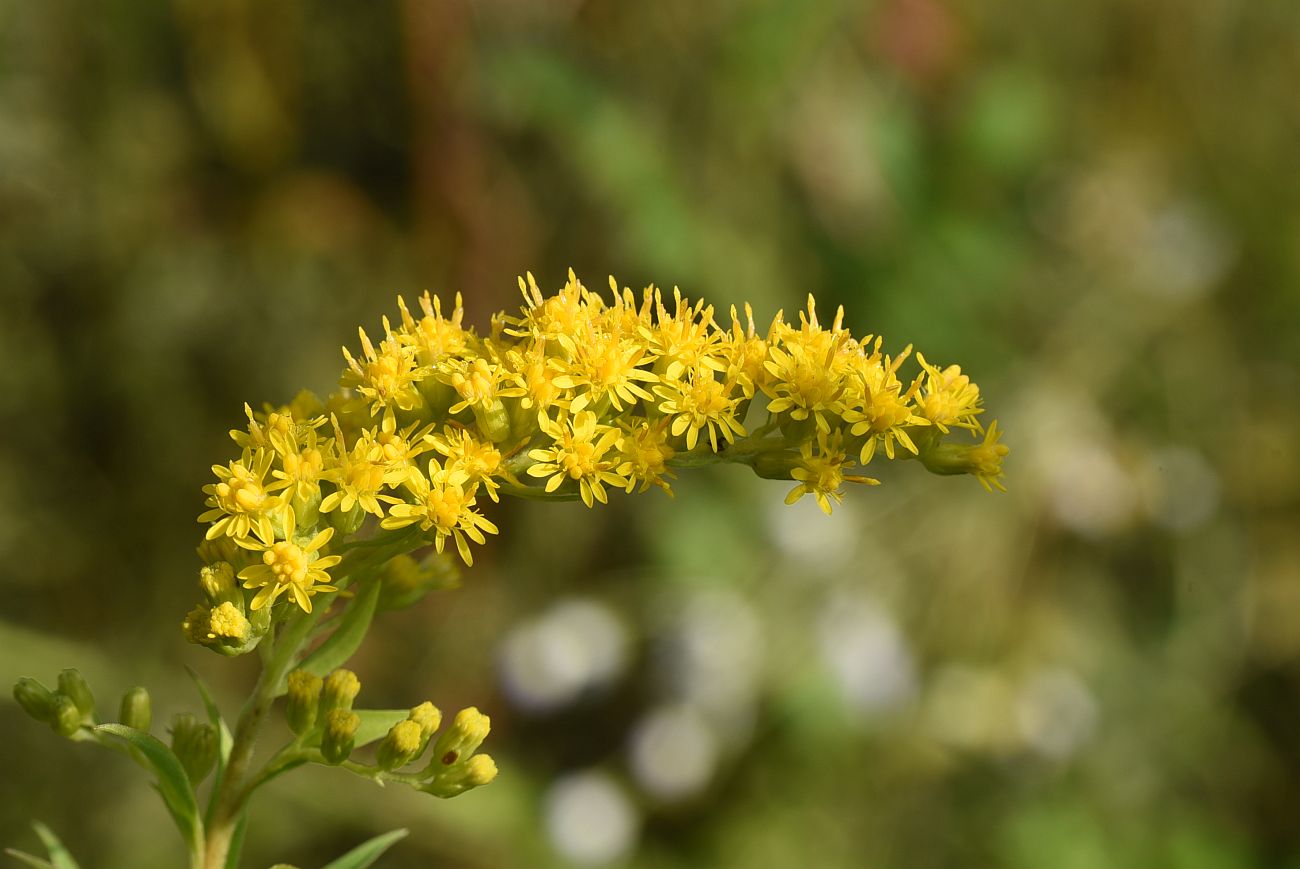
<point>66,709</point>
<point>576,395</point>
<point>320,714</point>
<point>70,710</point>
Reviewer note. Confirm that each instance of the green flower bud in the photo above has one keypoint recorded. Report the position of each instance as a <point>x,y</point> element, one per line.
<point>493,421</point>
<point>36,700</point>
<point>340,733</point>
<point>260,622</point>
<point>776,464</point>
<point>72,684</point>
<point>347,521</point>
<point>302,699</point>
<point>340,689</point>
<point>462,739</point>
<point>135,709</point>
<point>475,772</point>
<point>66,718</point>
<point>405,580</point>
<point>401,746</point>
<point>195,744</point>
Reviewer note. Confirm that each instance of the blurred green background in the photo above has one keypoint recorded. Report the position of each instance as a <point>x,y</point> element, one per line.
<point>1094,207</point>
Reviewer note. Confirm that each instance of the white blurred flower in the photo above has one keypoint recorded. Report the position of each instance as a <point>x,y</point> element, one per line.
<point>867,654</point>
<point>673,752</point>
<point>590,819</point>
<point>575,646</point>
<point>712,657</point>
<point>1056,713</point>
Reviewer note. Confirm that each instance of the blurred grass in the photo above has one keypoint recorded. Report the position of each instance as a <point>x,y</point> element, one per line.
<point>1093,207</point>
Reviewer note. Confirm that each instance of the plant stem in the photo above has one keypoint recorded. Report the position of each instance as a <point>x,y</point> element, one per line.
<point>234,792</point>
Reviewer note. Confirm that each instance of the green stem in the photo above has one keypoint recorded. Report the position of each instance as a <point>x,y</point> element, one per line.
<point>232,796</point>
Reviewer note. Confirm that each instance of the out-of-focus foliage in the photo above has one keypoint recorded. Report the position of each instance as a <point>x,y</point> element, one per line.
<point>1093,205</point>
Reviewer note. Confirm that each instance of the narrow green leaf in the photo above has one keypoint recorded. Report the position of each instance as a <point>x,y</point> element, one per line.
<point>375,723</point>
<point>28,860</point>
<point>59,856</point>
<point>345,640</point>
<point>367,852</point>
<point>173,784</point>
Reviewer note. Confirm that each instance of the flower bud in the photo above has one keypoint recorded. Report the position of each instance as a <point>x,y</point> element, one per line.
<point>227,625</point>
<point>776,464</point>
<point>302,700</point>
<point>195,625</point>
<point>493,421</point>
<point>475,772</point>
<point>135,709</point>
<point>348,521</point>
<point>401,746</point>
<point>36,700</point>
<point>340,689</point>
<point>65,718</point>
<point>218,583</point>
<point>195,744</point>
<point>463,738</point>
<point>429,718</point>
<point>72,684</point>
<point>405,580</point>
<point>340,733</point>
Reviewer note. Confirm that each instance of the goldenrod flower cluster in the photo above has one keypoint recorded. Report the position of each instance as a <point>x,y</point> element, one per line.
<point>577,395</point>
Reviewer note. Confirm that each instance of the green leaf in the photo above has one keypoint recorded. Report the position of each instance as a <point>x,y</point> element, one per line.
<point>367,852</point>
<point>59,856</point>
<point>173,784</point>
<point>28,860</point>
<point>375,723</point>
<point>348,636</point>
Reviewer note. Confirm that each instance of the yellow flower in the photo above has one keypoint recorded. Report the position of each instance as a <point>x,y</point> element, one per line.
<point>386,378</point>
<point>358,475</point>
<point>578,453</point>
<point>987,459</point>
<point>746,353</point>
<point>684,340</point>
<point>535,374</point>
<point>397,450</point>
<point>480,461</point>
<point>605,368</point>
<point>441,504</point>
<point>436,337</point>
<point>275,430</point>
<point>289,566</point>
<point>302,468</point>
<point>821,472</point>
<point>950,399</point>
<point>698,403</point>
<point>226,623</point>
<point>880,408</point>
<point>563,319</point>
<point>805,381</point>
<point>239,499</point>
<point>646,452</point>
<point>480,383</point>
